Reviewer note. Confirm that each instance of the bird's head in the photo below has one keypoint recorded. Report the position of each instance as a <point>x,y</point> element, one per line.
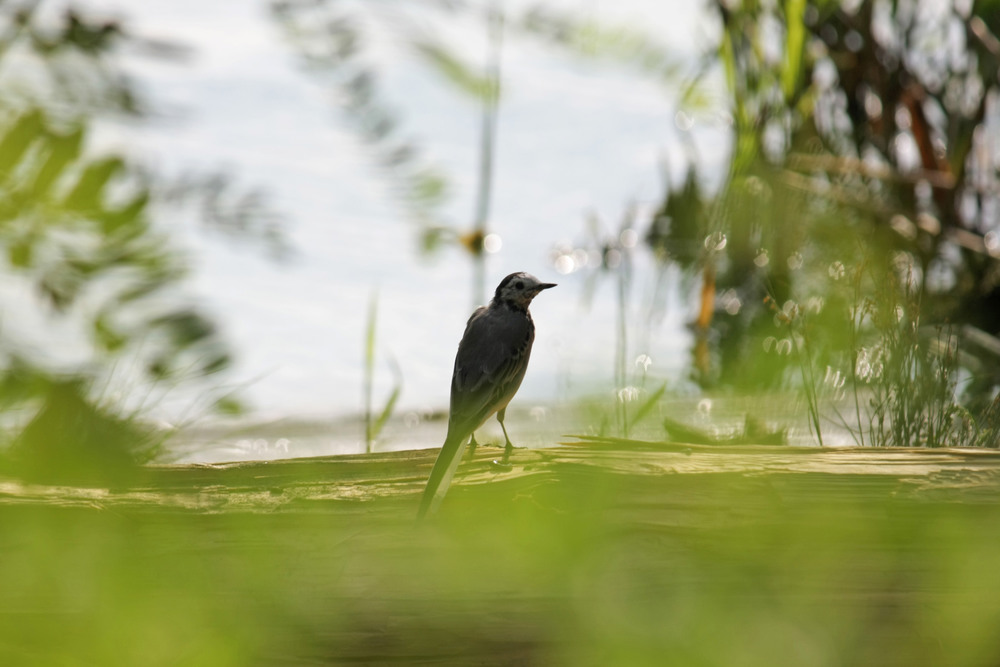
<point>518,289</point>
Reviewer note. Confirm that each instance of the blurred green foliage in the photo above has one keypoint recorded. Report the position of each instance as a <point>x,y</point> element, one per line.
<point>77,228</point>
<point>333,41</point>
<point>864,144</point>
<point>83,258</point>
<point>862,141</point>
<point>568,564</point>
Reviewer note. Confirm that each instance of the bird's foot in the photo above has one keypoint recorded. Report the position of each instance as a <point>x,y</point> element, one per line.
<point>503,465</point>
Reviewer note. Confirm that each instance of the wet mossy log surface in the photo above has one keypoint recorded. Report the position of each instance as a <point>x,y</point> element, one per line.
<point>648,473</point>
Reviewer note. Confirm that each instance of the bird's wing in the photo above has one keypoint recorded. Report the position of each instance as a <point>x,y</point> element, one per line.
<point>476,313</point>
<point>489,367</point>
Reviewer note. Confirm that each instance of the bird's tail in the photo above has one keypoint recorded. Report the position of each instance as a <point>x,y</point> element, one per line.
<point>441,474</point>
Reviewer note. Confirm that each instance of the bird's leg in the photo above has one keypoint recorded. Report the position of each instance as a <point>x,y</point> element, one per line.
<point>507,447</point>
<point>472,446</point>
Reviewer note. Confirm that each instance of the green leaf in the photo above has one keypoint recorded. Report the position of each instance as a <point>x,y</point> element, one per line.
<point>387,411</point>
<point>795,39</point>
<point>369,369</point>
<point>390,404</point>
<point>456,72</point>
<point>185,327</point>
<point>433,238</point>
<point>370,328</point>
<point>141,290</point>
<point>614,43</point>
<point>63,150</point>
<point>87,194</point>
<point>21,252</point>
<point>230,405</point>
<point>219,361</point>
<point>19,137</point>
<point>428,187</point>
<point>647,405</point>
<point>109,339</point>
<point>159,367</point>
<point>126,216</point>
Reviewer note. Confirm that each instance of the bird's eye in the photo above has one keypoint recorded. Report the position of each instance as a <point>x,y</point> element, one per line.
<point>519,285</point>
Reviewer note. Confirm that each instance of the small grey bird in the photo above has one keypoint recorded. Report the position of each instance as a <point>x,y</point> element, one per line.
<point>489,367</point>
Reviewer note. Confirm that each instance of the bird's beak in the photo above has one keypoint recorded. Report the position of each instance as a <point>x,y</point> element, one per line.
<point>542,286</point>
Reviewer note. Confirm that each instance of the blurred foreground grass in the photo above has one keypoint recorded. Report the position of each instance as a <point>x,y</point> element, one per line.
<point>604,552</point>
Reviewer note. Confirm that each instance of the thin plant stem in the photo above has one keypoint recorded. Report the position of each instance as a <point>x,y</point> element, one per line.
<point>855,326</point>
<point>803,360</point>
<point>369,373</point>
<point>809,381</point>
<point>621,353</point>
<point>487,146</point>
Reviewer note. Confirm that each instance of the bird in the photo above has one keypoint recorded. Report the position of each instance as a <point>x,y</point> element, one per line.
<point>489,367</point>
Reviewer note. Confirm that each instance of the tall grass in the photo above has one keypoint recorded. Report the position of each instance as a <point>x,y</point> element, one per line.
<point>909,371</point>
<point>905,375</point>
<point>375,424</point>
<point>790,315</point>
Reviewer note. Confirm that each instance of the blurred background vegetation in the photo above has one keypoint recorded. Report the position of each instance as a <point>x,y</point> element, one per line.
<point>849,254</point>
<point>96,326</point>
<point>859,212</point>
